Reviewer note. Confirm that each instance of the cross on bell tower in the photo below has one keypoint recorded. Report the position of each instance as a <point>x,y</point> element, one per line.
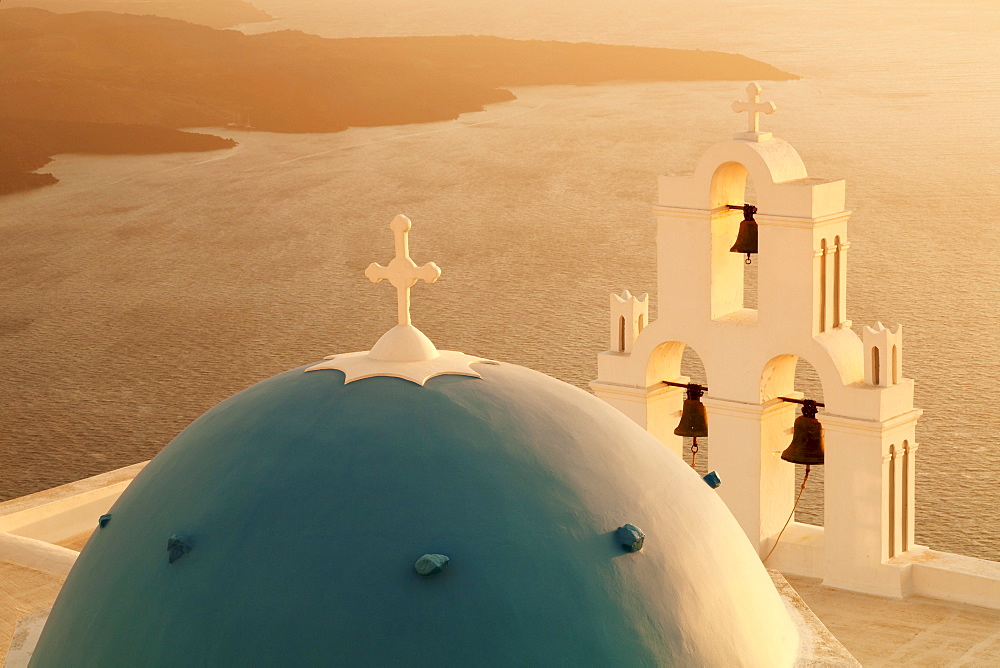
<point>753,107</point>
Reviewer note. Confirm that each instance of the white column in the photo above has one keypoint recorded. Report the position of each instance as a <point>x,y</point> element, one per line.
<point>857,502</point>
<point>746,445</point>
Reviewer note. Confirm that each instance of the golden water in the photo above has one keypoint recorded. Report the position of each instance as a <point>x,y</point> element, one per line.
<point>141,290</point>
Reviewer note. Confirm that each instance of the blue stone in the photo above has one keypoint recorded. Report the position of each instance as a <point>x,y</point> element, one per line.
<point>631,537</point>
<point>431,564</point>
<point>103,520</point>
<point>177,546</point>
<point>712,479</point>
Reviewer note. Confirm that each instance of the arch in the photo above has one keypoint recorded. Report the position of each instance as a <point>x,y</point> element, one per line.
<point>693,367</point>
<point>664,363</point>
<point>728,186</point>
<point>783,375</point>
<point>876,376</point>
<point>642,323</point>
<point>723,168</point>
<point>621,334</point>
<point>895,364</point>
<point>778,377</point>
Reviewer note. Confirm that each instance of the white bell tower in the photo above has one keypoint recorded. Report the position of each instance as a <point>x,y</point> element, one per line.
<point>750,356</point>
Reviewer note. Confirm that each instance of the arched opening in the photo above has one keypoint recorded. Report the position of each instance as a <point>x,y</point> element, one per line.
<point>751,271</point>
<point>734,283</point>
<point>876,376</point>
<point>621,334</point>
<point>895,365</point>
<point>810,510</point>
<point>694,368</point>
<point>664,362</point>
<point>786,375</point>
<point>642,322</point>
<point>672,361</point>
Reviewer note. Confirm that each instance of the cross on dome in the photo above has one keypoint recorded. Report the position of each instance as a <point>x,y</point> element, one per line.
<point>753,107</point>
<point>404,351</point>
<point>402,272</point>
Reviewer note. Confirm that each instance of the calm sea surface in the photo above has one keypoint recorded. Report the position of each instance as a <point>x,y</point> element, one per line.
<point>140,291</point>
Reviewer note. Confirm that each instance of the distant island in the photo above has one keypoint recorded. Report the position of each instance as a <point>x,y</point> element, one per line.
<point>84,82</point>
<point>214,13</point>
<point>26,145</point>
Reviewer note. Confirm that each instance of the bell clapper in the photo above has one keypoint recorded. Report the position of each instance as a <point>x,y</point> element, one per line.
<point>694,449</point>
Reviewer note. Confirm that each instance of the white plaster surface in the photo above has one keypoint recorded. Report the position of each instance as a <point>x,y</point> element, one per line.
<point>817,646</point>
<point>64,517</point>
<point>357,366</point>
<point>36,554</point>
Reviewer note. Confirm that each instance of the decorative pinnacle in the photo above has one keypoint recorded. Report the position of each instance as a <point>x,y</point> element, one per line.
<point>402,272</point>
<point>753,107</point>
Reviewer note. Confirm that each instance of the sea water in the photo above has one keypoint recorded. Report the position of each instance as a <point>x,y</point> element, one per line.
<point>139,291</point>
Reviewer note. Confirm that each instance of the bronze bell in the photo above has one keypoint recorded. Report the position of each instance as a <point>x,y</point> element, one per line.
<point>807,438</point>
<point>694,417</point>
<point>746,240</point>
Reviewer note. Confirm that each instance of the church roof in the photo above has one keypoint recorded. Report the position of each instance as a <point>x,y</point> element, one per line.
<point>282,527</point>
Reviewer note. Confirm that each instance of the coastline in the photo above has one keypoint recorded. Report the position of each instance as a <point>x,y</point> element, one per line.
<point>285,81</point>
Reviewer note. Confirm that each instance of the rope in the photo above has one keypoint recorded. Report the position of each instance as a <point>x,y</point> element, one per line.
<point>694,449</point>
<point>790,515</point>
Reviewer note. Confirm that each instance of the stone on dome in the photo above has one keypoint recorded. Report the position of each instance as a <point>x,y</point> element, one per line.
<point>630,537</point>
<point>431,564</point>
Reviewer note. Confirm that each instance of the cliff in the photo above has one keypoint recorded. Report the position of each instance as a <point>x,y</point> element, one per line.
<point>28,144</point>
<point>101,67</point>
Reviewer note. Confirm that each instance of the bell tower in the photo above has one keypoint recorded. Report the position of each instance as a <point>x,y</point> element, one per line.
<point>750,356</point>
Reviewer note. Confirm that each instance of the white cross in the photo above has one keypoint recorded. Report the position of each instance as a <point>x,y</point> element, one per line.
<point>753,106</point>
<point>402,272</point>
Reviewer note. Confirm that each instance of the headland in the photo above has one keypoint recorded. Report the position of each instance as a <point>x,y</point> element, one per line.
<point>84,82</point>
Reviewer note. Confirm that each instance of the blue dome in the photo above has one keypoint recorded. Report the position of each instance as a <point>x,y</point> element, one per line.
<point>305,503</point>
